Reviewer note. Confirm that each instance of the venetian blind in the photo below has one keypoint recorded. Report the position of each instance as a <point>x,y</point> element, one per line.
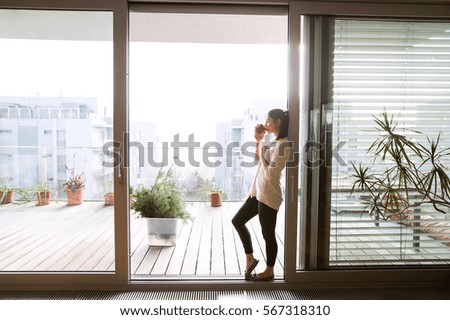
<point>403,68</point>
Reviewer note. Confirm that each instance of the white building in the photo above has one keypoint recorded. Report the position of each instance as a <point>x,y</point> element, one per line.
<point>39,136</point>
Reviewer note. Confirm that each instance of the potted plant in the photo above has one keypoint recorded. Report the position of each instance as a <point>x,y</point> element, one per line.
<point>213,194</point>
<point>6,193</point>
<point>109,196</point>
<point>74,186</point>
<point>414,174</point>
<point>43,194</point>
<point>162,205</point>
<point>215,197</point>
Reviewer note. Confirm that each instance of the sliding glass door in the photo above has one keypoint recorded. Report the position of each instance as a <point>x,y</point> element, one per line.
<point>390,83</point>
<point>200,80</point>
<point>374,145</point>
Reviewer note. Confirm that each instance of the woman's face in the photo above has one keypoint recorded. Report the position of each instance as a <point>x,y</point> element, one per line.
<point>271,125</point>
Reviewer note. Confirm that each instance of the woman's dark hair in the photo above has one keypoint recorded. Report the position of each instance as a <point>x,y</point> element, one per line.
<point>276,114</point>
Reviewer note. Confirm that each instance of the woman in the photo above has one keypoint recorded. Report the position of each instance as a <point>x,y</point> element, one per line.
<point>265,197</point>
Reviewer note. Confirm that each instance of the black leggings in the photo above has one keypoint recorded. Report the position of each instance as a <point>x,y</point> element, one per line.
<point>267,219</point>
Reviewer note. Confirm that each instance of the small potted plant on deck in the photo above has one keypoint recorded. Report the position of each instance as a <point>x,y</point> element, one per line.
<point>215,197</point>
<point>6,193</point>
<point>43,194</point>
<point>212,194</point>
<point>74,186</point>
<point>109,196</point>
<point>162,205</point>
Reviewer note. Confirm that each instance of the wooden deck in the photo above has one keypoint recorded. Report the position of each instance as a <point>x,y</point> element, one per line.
<point>207,246</point>
<point>58,237</point>
<point>80,238</point>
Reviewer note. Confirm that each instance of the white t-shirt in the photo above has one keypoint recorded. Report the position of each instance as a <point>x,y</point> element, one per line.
<point>266,186</point>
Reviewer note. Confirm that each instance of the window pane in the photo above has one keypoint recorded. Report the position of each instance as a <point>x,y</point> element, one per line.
<point>401,68</point>
<point>55,109</point>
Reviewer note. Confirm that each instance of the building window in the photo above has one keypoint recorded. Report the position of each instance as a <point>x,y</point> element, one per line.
<point>60,138</point>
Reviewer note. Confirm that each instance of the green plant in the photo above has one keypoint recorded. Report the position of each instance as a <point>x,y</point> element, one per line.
<point>210,187</point>
<point>25,195</point>
<point>30,194</point>
<point>161,200</point>
<point>414,174</point>
<point>4,189</point>
<point>205,192</point>
<point>75,181</point>
<point>4,184</point>
<point>42,186</point>
<point>110,184</point>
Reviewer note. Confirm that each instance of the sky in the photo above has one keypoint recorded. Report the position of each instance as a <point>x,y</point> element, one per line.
<point>197,85</point>
<point>179,86</point>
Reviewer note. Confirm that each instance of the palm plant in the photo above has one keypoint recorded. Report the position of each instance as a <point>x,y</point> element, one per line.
<point>415,174</point>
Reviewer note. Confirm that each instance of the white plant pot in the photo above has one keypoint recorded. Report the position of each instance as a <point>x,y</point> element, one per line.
<point>162,231</point>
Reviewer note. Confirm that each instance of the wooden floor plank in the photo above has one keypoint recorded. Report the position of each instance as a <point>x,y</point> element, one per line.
<point>190,262</point>
<point>204,249</point>
<point>229,244</point>
<point>179,252</point>
<point>138,255</point>
<point>217,254</point>
<point>107,262</point>
<point>164,257</point>
<point>149,260</point>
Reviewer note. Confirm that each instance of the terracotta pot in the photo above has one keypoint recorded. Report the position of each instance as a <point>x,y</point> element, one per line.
<point>109,198</point>
<point>8,198</point>
<point>216,199</point>
<point>43,198</point>
<point>74,197</point>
